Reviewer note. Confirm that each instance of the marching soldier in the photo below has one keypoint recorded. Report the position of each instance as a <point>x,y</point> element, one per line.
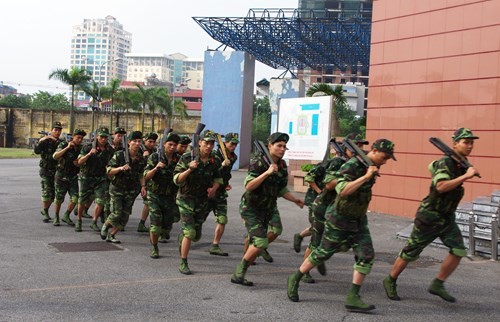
<point>183,144</point>
<point>148,149</point>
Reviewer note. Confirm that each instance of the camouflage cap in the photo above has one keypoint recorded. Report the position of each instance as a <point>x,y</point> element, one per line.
<point>232,137</point>
<point>278,136</point>
<point>134,135</point>
<point>463,133</point>
<point>357,138</point>
<point>151,136</point>
<point>173,137</point>
<point>103,131</point>
<point>208,135</point>
<point>79,132</point>
<point>119,130</point>
<point>184,140</point>
<point>57,125</point>
<point>384,145</point>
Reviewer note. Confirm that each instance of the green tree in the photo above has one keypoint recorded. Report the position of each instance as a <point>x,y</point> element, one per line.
<point>75,77</point>
<point>159,98</point>
<point>261,121</point>
<point>146,95</point>
<point>22,101</point>
<point>92,89</point>
<point>127,100</point>
<point>175,107</point>
<point>109,92</point>
<point>45,100</point>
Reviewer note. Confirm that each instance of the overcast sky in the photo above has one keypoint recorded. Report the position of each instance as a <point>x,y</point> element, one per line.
<point>36,34</point>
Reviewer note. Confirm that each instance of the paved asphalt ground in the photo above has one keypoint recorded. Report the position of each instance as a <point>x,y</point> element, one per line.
<point>40,283</point>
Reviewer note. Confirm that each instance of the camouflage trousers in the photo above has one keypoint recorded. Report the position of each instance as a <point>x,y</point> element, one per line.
<point>342,234</point>
<point>218,205</point>
<point>193,215</point>
<point>67,185</point>
<point>93,187</point>
<point>258,222</point>
<point>162,212</point>
<point>107,203</point>
<point>121,204</point>
<point>429,226</point>
<point>48,186</point>
<point>319,208</point>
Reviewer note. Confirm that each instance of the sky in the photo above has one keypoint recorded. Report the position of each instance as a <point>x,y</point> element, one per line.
<point>36,35</point>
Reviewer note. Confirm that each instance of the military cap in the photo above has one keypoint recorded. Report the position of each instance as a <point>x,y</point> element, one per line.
<point>357,138</point>
<point>278,136</point>
<point>134,135</point>
<point>232,137</point>
<point>103,131</point>
<point>173,137</point>
<point>384,145</point>
<point>208,135</point>
<point>184,140</point>
<point>463,133</point>
<point>119,130</point>
<point>151,136</point>
<point>57,125</point>
<point>79,132</point>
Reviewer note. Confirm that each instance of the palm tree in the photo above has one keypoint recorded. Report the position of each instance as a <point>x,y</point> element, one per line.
<point>178,108</point>
<point>109,92</point>
<point>339,101</point>
<point>146,95</point>
<point>92,90</point>
<point>126,100</point>
<point>74,77</point>
<point>159,98</point>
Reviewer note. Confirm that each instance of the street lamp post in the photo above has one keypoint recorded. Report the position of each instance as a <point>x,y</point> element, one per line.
<point>173,100</point>
<point>99,99</point>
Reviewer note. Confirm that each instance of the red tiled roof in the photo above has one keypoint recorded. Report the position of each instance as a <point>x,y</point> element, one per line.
<point>193,106</point>
<point>191,93</point>
<point>130,83</point>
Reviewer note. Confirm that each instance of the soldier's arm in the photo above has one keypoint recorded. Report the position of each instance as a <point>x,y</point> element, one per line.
<point>448,185</point>
<point>290,197</point>
<point>61,150</point>
<point>256,182</point>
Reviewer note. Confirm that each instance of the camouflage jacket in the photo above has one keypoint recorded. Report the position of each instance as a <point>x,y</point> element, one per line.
<point>127,180</point>
<point>66,169</point>
<point>443,203</point>
<point>327,196</point>
<point>162,183</point>
<point>199,180</point>
<point>317,175</point>
<point>46,149</point>
<point>96,164</point>
<point>224,171</point>
<point>354,206</point>
<point>274,186</point>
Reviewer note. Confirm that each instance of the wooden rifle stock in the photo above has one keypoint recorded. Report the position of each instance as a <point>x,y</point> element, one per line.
<point>359,154</point>
<point>451,153</point>
<point>262,149</point>
<point>195,148</point>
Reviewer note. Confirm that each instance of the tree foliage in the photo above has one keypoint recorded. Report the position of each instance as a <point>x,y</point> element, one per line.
<point>45,100</point>
<point>15,101</point>
<point>261,121</point>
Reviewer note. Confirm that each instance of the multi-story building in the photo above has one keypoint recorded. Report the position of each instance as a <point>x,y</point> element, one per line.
<point>172,70</point>
<point>100,46</point>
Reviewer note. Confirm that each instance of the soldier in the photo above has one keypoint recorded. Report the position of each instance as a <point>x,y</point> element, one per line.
<point>66,179</point>
<point>263,184</point>
<point>159,174</point>
<point>219,203</point>
<point>93,180</point>
<point>183,144</point>
<point>148,149</point>
<point>118,134</point>
<point>127,181</point>
<point>46,148</point>
<point>198,179</point>
<point>346,224</point>
<point>436,218</point>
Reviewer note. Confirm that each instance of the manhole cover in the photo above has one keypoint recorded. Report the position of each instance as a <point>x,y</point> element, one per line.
<point>84,247</point>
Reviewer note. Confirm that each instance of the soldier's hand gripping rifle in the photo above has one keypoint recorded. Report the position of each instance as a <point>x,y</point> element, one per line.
<point>222,147</point>
<point>359,154</point>
<point>451,153</point>
<point>262,149</point>
<point>195,148</point>
<point>161,148</point>
<point>125,149</point>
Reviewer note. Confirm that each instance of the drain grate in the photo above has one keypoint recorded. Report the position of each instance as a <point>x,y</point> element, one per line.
<point>84,247</point>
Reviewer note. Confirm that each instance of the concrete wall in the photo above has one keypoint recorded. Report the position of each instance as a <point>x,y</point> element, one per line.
<point>26,123</point>
<point>435,67</point>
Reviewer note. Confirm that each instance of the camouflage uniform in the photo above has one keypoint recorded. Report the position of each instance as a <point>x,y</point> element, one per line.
<point>125,187</point>
<point>218,204</point>
<point>161,195</point>
<point>323,201</point>
<point>48,166</point>
<point>66,178</point>
<point>346,224</point>
<point>192,196</point>
<point>436,214</point>
<point>93,179</point>
<point>258,208</point>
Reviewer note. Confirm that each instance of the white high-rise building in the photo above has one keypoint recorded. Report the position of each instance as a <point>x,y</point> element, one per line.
<point>100,46</point>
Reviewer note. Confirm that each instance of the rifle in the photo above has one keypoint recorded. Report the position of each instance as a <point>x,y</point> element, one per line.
<point>44,132</point>
<point>161,149</point>
<point>338,149</point>
<point>358,154</point>
<point>94,143</point>
<point>262,149</point>
<point>67,137</point>
<point>222,147</point>
<point>125,149</point>
<point>195,148</point>
<point>451,153</point>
